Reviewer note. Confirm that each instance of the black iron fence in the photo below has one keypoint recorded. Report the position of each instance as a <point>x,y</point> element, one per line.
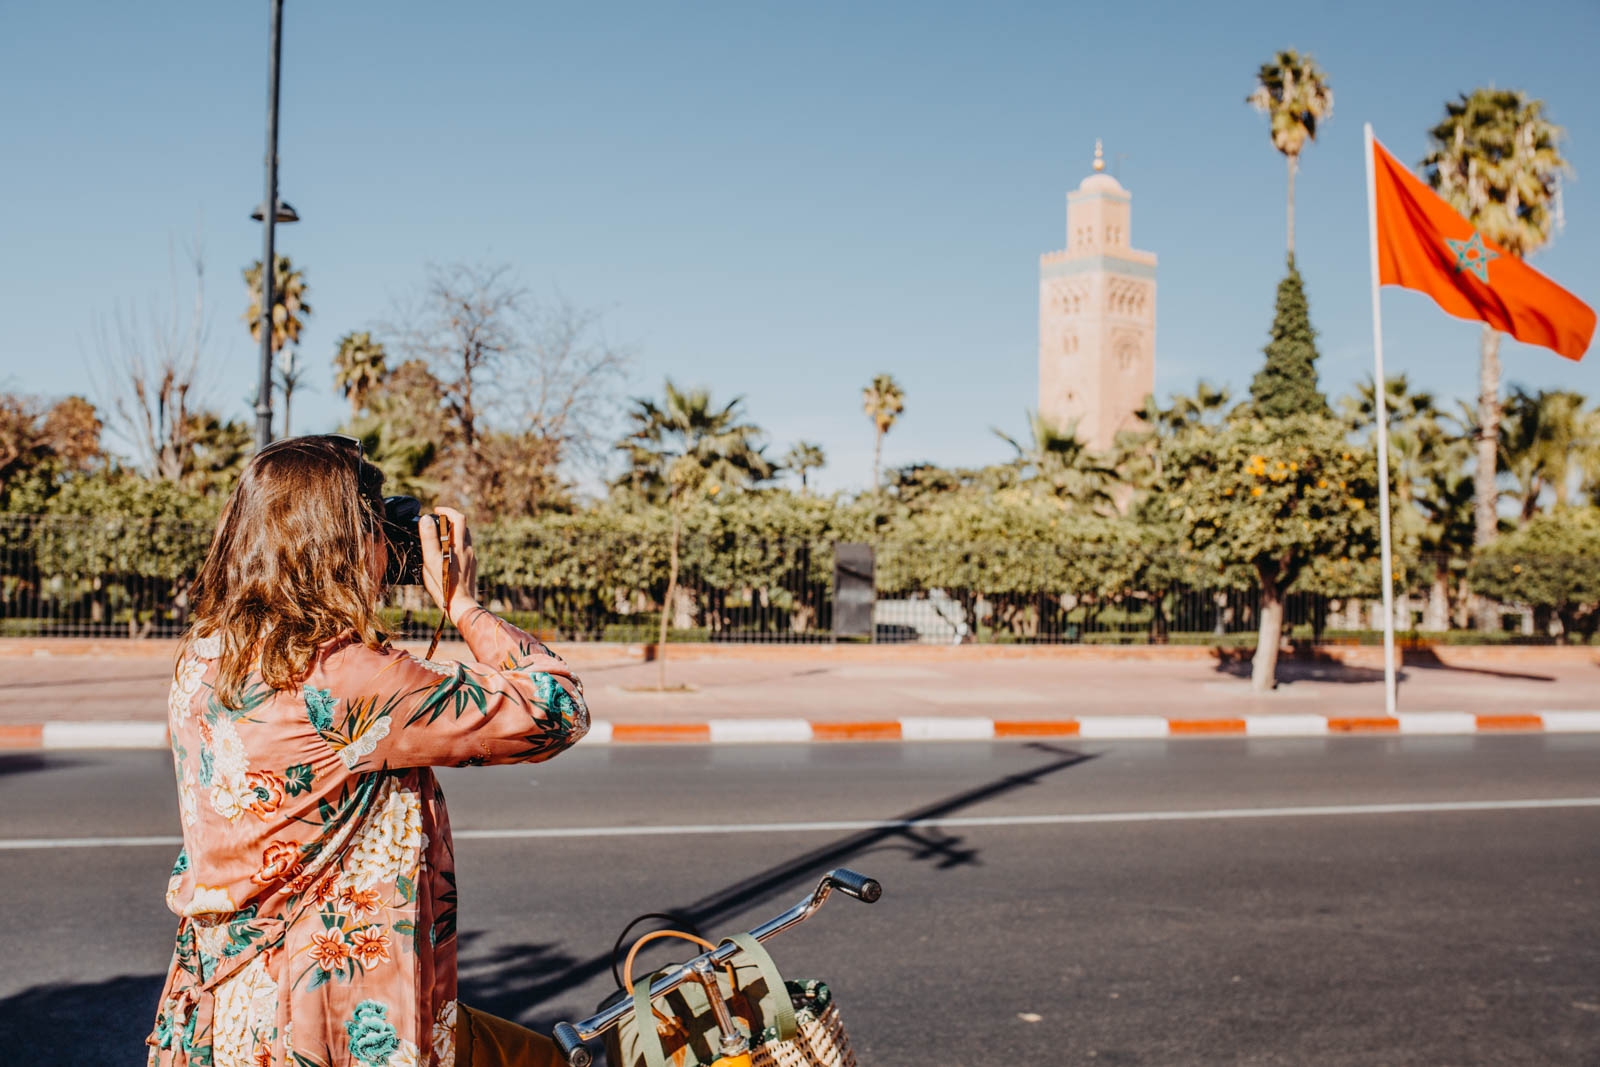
<point>75,577</point>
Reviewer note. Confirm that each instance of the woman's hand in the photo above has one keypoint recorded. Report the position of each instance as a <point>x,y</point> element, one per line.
<point>463,564</point>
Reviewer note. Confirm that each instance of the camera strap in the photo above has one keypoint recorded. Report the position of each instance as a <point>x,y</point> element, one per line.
<point>447,543</point>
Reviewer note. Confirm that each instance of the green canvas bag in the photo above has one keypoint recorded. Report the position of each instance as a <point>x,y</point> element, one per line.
<point>680,1029</point>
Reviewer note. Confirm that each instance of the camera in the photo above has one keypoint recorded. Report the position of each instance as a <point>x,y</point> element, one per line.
<point>401,517</point>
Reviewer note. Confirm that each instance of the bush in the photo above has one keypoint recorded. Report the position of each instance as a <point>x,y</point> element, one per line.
<point>1548,564</point>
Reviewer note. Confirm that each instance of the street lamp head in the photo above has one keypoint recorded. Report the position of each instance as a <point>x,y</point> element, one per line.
<point>285,213</point>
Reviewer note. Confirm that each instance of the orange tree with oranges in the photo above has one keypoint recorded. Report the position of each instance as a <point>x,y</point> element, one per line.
<point>1286,498</point>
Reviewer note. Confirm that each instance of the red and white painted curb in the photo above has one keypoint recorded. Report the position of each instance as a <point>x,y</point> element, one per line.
<point>57,735</point>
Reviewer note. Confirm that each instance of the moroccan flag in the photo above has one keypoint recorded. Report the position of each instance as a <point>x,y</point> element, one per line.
<point>1424,245</point>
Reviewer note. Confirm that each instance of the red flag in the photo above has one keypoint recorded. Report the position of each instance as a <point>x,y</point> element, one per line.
<point>1424,245</point>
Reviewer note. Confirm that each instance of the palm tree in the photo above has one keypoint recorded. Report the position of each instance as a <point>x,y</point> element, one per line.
<point>1056,460</point>
<point>1292,91</point>
<point>687,424</point>
<point>1427,455</point>
<point>679,448</point>
<point>358,367</point>
<point>289,307</point>
<point>1495,159</point>
<point>1137,452</point>
<point>883,402</point>
<point>291,373</point>
<point>1548,439</point>
<point>803,457</point>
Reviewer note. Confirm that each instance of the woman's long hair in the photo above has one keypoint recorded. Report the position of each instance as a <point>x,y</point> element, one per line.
<point>291,564</point>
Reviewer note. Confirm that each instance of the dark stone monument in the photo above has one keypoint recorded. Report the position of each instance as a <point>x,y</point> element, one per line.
<point>853,589</point>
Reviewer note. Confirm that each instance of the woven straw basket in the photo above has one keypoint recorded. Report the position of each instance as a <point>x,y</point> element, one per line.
<point>821,1040</point>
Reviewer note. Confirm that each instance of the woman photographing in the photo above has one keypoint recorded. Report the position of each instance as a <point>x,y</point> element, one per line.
<point>316,889</point>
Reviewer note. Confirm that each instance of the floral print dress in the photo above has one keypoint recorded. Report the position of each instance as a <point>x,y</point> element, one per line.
<point>316,889</point>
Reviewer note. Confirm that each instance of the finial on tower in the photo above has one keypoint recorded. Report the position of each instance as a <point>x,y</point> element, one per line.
<point>1099,156</point>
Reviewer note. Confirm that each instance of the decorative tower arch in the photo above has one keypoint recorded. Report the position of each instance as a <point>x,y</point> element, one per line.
<point>1097,316</point>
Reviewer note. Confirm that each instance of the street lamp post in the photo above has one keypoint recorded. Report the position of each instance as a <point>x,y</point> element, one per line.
<point>269,219</point>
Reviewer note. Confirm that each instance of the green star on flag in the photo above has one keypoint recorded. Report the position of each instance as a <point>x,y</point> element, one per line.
<point>1472,255</point>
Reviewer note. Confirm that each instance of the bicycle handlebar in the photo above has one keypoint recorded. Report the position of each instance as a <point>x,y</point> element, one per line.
<point>569,1037</point>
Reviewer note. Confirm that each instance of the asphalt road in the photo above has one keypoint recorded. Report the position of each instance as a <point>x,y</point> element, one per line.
<point>1093,903</point>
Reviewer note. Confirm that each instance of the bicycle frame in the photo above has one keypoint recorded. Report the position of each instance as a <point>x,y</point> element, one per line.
<point>569,1037</point>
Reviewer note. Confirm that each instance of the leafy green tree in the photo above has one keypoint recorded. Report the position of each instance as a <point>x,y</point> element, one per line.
<point>1274,495</point>
<point>1497,160</point>
<point>804,456</point>
<point>883,401</point>
<point>1055,460</point>
<point>218,451</point>
<point>107,539</point>
<point>64,437</point>
<point>406,428</point>
<point>918,486</point>
<point>1287,385</point>
<point>359,365</point>
<point>1548,564</point>
<point>1292,91</point>
<point>519,474</point>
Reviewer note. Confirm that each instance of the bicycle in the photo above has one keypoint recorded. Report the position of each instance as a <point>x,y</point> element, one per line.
<point>735,1046</point>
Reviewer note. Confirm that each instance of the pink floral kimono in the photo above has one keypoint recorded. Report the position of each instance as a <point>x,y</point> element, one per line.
<point>316,889</point>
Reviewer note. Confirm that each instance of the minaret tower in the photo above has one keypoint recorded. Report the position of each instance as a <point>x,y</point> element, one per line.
<point>1097,316</point>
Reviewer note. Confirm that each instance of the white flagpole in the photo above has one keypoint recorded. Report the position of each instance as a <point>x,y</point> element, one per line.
<point>1380,395</point>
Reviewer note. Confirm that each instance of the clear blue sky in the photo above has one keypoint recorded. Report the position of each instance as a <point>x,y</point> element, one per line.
<point>776,200</point>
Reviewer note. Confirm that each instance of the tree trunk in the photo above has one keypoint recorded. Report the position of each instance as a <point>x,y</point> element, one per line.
<point>1294,165</point>
<point>1264,667</point>
<point>288,395</point>
<point>1485,496</point>
<point>1438,618</point>
<point>666,601</point>
<point>877,447</point>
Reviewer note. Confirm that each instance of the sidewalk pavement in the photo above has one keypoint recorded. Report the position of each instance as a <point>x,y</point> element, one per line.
<point>51,692</point>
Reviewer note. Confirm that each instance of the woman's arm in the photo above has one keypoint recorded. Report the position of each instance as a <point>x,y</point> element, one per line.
<point>390,708</point>
<point>517,702</point>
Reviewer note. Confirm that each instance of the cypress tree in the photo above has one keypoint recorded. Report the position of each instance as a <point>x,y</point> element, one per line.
<point>1287,385</point>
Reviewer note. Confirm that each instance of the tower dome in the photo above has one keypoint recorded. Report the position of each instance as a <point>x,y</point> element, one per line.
<point>1099,181</point>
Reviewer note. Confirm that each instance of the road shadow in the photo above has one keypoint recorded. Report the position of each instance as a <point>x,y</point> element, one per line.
<point>66,1024</point>
<point>768,679</point>
<point>30,762</point>
<point>1310,667</point>
<point>521,980</point>
<point>1427,659</point>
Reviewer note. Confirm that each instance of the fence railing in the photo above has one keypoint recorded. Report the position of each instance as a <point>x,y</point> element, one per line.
<point>75,577</point>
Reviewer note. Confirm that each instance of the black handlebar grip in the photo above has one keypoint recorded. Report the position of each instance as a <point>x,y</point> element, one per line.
<point>571,1046</point>
<point>867,890</point>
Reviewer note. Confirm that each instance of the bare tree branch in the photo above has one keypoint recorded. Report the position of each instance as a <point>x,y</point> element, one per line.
<point>571,372</point>
<point>147,372</point>
<point>519,379</point>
